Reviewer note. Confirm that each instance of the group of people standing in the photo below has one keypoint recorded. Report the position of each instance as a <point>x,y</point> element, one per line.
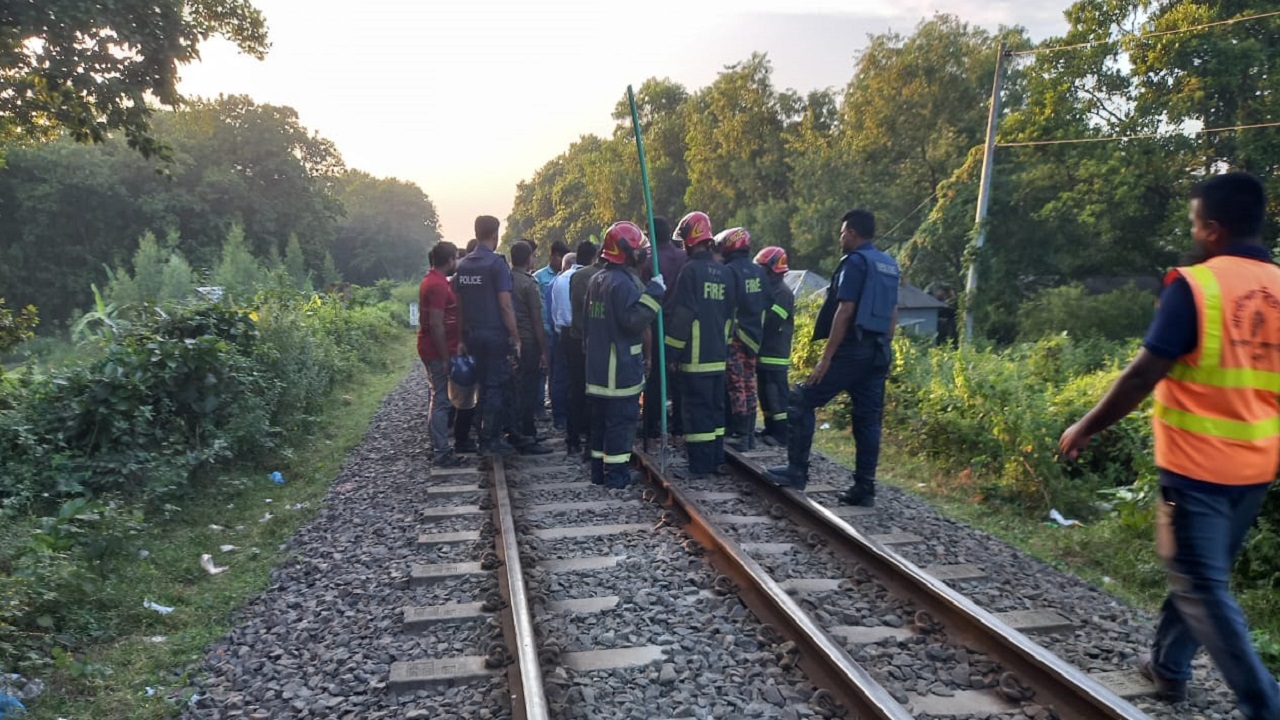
<point>588,324</point>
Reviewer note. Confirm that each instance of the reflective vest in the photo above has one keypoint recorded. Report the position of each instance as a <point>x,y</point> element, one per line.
<point>1216,413</point>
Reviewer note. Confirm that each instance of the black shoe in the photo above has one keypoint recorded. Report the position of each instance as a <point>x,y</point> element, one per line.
<point>535,448</point>
<point>572,449</point>
<point>615,482</point>
<point>770,441</point>
<point>788,476</point>
<point>447,460</point>
<point>859,495</point>
<point>498,448</point>
<point>1170,691</point>
<point>466,447</point>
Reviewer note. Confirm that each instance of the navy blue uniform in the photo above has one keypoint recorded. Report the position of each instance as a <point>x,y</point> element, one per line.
<point>702,309</point>
<point>869,278</point>
<point>775,357</point>
<point>740,373</point>
<point>618,311</point>
<point>481,277</point>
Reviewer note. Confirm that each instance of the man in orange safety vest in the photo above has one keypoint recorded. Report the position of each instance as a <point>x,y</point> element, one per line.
<point>1212,356</point>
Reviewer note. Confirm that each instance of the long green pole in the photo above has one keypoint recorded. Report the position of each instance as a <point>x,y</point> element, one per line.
<point>653,233</point>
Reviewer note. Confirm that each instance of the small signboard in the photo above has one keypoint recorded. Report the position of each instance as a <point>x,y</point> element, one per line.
<point>413,315</point>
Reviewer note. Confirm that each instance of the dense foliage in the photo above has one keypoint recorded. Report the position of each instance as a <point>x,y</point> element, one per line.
<point>904,139</point>
<point>165,401</point>
<point>237,166</point>
<point>92,67</point>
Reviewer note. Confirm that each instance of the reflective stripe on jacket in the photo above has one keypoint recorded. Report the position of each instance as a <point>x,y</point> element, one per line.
<point>1216,415</point>
<point>618,311</point>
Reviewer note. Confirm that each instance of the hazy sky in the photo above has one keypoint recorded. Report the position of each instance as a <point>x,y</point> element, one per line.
<point>467,98</point>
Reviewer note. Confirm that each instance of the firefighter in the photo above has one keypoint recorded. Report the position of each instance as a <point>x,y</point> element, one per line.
<point>734,247</point>
<point>619,308</point>
<point>698,340</point>
<point>775,346</point>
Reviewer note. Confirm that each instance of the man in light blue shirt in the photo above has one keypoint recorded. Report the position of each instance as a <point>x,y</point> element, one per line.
<point>561,319</point>
<point>544,278</point>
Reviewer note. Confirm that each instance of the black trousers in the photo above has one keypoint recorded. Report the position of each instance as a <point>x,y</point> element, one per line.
<point>703,403</point>
<point>526,387</point>
<point>774,399</point>
<point>578,428</point>
<point>613,433</point>
<point>492,352</point>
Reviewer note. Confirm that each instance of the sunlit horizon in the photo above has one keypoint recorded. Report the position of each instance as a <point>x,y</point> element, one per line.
<point>468,99</point>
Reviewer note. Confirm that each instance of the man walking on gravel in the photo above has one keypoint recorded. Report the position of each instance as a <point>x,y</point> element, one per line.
<point>1212,356</point>
<point>857,320</point>
<point>437,344</point>
<point>619,309</point>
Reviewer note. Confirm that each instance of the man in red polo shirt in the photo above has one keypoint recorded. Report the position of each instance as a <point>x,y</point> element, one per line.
<point>437,343</point>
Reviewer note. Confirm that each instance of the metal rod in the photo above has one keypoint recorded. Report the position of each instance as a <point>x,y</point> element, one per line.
<point>529,701</point>
<point>984,191</point>
<point>659,341</point>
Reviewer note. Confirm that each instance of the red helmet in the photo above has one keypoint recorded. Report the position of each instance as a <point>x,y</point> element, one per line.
<point>620,239</point>
<point>733,240</point>
<point>774,259</point>
<point>694,228</point>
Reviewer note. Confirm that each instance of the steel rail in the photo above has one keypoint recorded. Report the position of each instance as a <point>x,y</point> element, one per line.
<point>825,661</point>
<point>1056,683</point>
<point>524,675</point>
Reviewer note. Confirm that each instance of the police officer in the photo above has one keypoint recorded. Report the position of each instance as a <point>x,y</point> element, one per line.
<point>775,346</point>
<point>734,246</point>
<point>489,330</point>
<point>857,321</point>
<point>619,309</point>
<point>697,341</point>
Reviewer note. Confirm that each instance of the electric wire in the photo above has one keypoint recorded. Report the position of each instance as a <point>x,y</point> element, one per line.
<point>1144,36</point>
<point>1140,136</point>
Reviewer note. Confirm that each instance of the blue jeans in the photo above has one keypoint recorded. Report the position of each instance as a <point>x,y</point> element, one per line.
<point>438,414</point>
<point>1207,531</point>
<point>860,369</point>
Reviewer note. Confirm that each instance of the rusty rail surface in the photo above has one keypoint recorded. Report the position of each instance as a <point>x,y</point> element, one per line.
<point>524,675</point>
<point>1056,683</point>
<point>827,664</point>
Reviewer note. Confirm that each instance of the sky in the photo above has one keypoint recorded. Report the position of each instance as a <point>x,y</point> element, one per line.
<point>467,98</point>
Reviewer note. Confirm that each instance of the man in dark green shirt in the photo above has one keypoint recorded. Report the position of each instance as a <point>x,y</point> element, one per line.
<point>526,300</point>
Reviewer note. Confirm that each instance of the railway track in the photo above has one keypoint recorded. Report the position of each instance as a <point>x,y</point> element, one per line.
<point>1029,676</point>
<point>528,513</point>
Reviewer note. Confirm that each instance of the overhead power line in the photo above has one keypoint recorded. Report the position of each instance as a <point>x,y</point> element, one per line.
<point>1144,36</point>
<point>1142,136</point>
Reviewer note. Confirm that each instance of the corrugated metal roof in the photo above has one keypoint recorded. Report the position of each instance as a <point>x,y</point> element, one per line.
<point>808,282</point>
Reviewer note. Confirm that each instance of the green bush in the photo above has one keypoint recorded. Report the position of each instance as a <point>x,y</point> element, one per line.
<point>1118,315</point>
<point>174,392</point>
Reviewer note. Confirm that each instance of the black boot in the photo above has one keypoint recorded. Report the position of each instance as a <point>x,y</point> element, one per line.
<point>792,476</point>
<point>737,438</point>
<point>862,493</point>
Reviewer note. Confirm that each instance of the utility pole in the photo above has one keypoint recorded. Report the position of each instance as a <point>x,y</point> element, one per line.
<point>984,191</point>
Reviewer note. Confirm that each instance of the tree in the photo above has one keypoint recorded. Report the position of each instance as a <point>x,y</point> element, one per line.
<point>15,328</point>
<point>238,272</point>
<point>90,67</point>
<point>295,265</point>
<point>388,228</point>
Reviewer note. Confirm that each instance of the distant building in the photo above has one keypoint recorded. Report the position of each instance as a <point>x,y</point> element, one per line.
<point>918,311</point>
